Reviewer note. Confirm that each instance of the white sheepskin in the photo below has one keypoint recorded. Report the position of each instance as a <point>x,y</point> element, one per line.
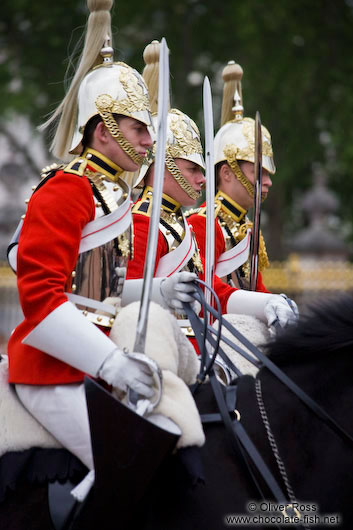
<point>19,430</point>
<point>254,330</point>
<point>168,346</point>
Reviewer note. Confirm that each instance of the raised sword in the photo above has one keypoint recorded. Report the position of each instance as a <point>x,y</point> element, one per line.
<point>255,234</point>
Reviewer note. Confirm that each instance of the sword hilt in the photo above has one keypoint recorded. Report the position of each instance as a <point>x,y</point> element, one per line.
<point>145,406</point>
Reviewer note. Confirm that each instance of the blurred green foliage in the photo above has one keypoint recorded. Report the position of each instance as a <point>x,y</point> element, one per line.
<point>298,72</point>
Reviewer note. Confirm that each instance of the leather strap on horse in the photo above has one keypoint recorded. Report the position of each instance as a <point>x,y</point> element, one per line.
<point>289,383</point>
<point>237,431</point>
<point>237,434</point>
<point>239,439</point>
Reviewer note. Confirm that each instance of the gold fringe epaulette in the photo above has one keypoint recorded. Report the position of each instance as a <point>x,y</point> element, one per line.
<point>77,166</point>
<point>193,211</point>
<point>202,211</point>
<point>47,170</point>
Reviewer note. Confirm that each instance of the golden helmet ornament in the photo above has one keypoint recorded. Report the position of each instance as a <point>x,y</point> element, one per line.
<point>100,87</point>
<point>110,88</point>
<point>183,141</point>
<point>183,136</point>
<point>235,140</point>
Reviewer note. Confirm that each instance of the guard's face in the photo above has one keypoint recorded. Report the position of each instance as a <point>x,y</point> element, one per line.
<point>248,168</point>
<point>137,134</point>
<point>240,194</point>
<point>192,173</point>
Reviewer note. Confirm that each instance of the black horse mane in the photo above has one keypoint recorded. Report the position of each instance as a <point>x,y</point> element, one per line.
<point>324,328</point>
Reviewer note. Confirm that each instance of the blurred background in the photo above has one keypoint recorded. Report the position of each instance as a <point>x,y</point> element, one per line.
<point>298,73</point>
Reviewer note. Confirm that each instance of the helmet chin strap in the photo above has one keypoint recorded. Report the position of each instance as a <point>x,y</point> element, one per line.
<point>113,128</point>
<point>232,162</point>
<point>181,180</point>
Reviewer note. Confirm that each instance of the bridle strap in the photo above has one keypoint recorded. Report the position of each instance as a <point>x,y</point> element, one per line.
<point>240,435</point>
<point>289,383</point>
<point>242,443</point>
<point>240,440</point>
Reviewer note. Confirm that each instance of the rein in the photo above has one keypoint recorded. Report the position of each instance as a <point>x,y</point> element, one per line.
<point>265,361</point>
<point>239,438</point>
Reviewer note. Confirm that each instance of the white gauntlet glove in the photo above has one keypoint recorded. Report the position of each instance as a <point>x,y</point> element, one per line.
<point>177,289</point>
<point>270,308</point>
<point>123,372</point>
<point>168,292</point>
<point>281,310</point>
<point>83,346</point>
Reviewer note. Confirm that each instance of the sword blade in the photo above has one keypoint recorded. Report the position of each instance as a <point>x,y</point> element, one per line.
<point>163,101</point>
<point>255,236</point>
<point>210,189</point>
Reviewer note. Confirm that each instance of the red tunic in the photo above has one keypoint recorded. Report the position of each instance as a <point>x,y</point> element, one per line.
<point>47,254</point>
<point>141,225</point>
<point>136,266</point>
<point>198,223</point>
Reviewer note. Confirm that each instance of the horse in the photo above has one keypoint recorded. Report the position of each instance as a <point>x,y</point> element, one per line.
<point>217,486</point>
<point>311,461</point>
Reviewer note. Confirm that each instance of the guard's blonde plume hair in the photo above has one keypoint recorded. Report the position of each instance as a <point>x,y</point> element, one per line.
<point>151,72</point>
<point>232,75</point>
<point>98,29</point>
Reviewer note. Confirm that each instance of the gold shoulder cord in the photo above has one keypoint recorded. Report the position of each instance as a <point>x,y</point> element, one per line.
<point>192,211</point>
<point>97,180</point>
<point>196,258</point>
<point>263,257</point>
<point>238,231</point>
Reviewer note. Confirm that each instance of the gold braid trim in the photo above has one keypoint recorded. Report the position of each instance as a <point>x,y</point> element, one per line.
<point>183,183</point>
<point>196,259</point>
<point>137,99</point>
<point>263,257</point>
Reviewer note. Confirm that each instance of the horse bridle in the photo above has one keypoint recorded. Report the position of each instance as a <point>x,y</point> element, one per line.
<point>265,361</point>
<point>238,436</point>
